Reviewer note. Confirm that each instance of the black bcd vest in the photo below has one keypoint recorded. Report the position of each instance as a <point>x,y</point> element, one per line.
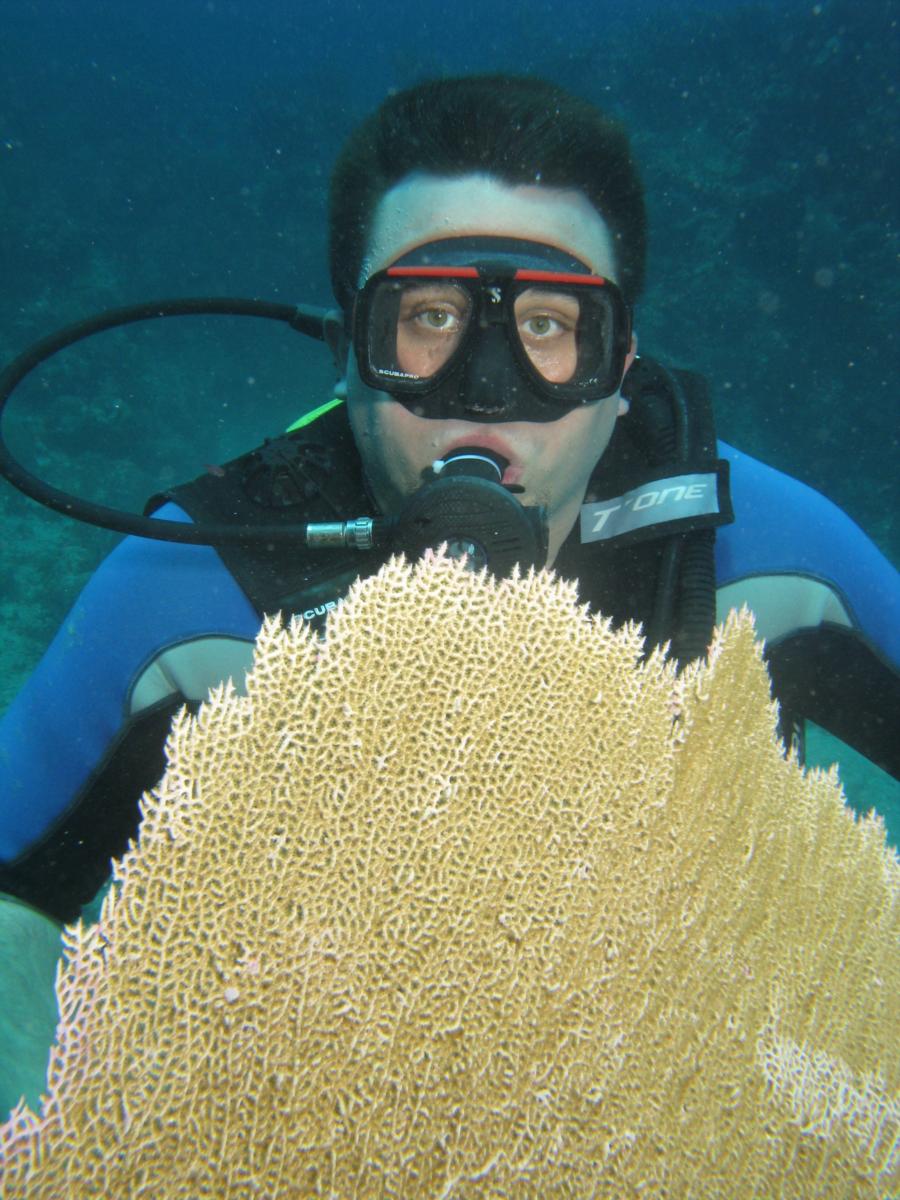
<point>662,575</point>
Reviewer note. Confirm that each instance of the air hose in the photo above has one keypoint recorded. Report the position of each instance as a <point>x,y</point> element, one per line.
<point>684,608</point>
<point>466,508</point>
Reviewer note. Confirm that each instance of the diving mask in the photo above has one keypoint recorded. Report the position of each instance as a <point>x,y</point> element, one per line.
<point>491,329</point>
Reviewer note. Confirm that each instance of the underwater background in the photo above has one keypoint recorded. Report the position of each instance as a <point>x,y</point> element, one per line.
<point>182,148</point>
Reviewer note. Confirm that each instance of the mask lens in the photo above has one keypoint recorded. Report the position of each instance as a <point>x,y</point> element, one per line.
<point>547,326</point>
<point>416,326</point>
<point>566,333</point>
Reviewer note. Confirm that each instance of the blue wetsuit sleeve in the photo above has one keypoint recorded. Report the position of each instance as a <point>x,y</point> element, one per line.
<point>782,527</point>
<point>790,547</point>
<point>146,597</point>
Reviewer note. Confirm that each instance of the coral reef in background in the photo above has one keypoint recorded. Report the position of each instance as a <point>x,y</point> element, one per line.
<point>468,901</point>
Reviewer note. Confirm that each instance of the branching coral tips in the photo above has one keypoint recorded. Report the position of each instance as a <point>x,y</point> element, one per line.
<point>469,900</point>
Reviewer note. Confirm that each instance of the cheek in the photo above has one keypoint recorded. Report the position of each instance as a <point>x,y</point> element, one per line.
<point>600,427</point>
<point>587,432</point>
<point>391,444</point>
<point>565,465</point>
<point>369,415</point>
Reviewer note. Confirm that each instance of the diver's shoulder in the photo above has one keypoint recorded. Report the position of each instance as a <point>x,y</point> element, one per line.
<point>786,532</point>
<point>769,500</point>
<point>156,592</point>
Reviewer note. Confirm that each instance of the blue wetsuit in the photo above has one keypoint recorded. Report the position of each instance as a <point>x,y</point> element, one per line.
<point>160,623</point>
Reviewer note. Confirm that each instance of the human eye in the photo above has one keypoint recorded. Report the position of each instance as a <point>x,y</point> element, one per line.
<point>543,316</point>
<point>541,325</point>
<point>433,310</point>
<point>440,320</point>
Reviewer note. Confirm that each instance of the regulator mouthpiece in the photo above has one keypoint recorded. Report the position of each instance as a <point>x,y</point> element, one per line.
<point>472,460</point>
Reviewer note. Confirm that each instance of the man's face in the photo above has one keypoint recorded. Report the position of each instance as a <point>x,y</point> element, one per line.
<point>551,460</point>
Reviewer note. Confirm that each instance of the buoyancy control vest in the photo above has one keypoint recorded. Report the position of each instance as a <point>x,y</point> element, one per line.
<point>660,479</point>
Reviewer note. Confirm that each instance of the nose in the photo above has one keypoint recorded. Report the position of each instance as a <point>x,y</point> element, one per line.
<point>491,382</point>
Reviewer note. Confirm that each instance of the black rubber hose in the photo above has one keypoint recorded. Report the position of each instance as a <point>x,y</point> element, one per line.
<point>697,596</point>
<point>304,319</point>
<point>660,624</point>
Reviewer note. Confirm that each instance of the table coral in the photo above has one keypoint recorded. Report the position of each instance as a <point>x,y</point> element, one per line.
<point>468,900</point>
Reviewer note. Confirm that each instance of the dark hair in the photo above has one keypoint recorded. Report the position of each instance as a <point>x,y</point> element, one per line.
<point>517,128</point>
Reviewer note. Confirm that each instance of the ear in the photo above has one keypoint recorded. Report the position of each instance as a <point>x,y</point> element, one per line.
<point>337,339</point>
<point>629,359</point>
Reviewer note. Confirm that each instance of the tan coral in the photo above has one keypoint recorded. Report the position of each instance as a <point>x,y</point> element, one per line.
<point>468,902</point>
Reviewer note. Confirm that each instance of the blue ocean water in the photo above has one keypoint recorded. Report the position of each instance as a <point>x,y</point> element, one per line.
<point>183,147</point>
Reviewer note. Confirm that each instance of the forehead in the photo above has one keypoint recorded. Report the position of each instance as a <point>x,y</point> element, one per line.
<point>422,208</point>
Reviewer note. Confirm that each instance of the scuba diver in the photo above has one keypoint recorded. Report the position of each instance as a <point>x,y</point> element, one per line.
<point>487,247</point>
